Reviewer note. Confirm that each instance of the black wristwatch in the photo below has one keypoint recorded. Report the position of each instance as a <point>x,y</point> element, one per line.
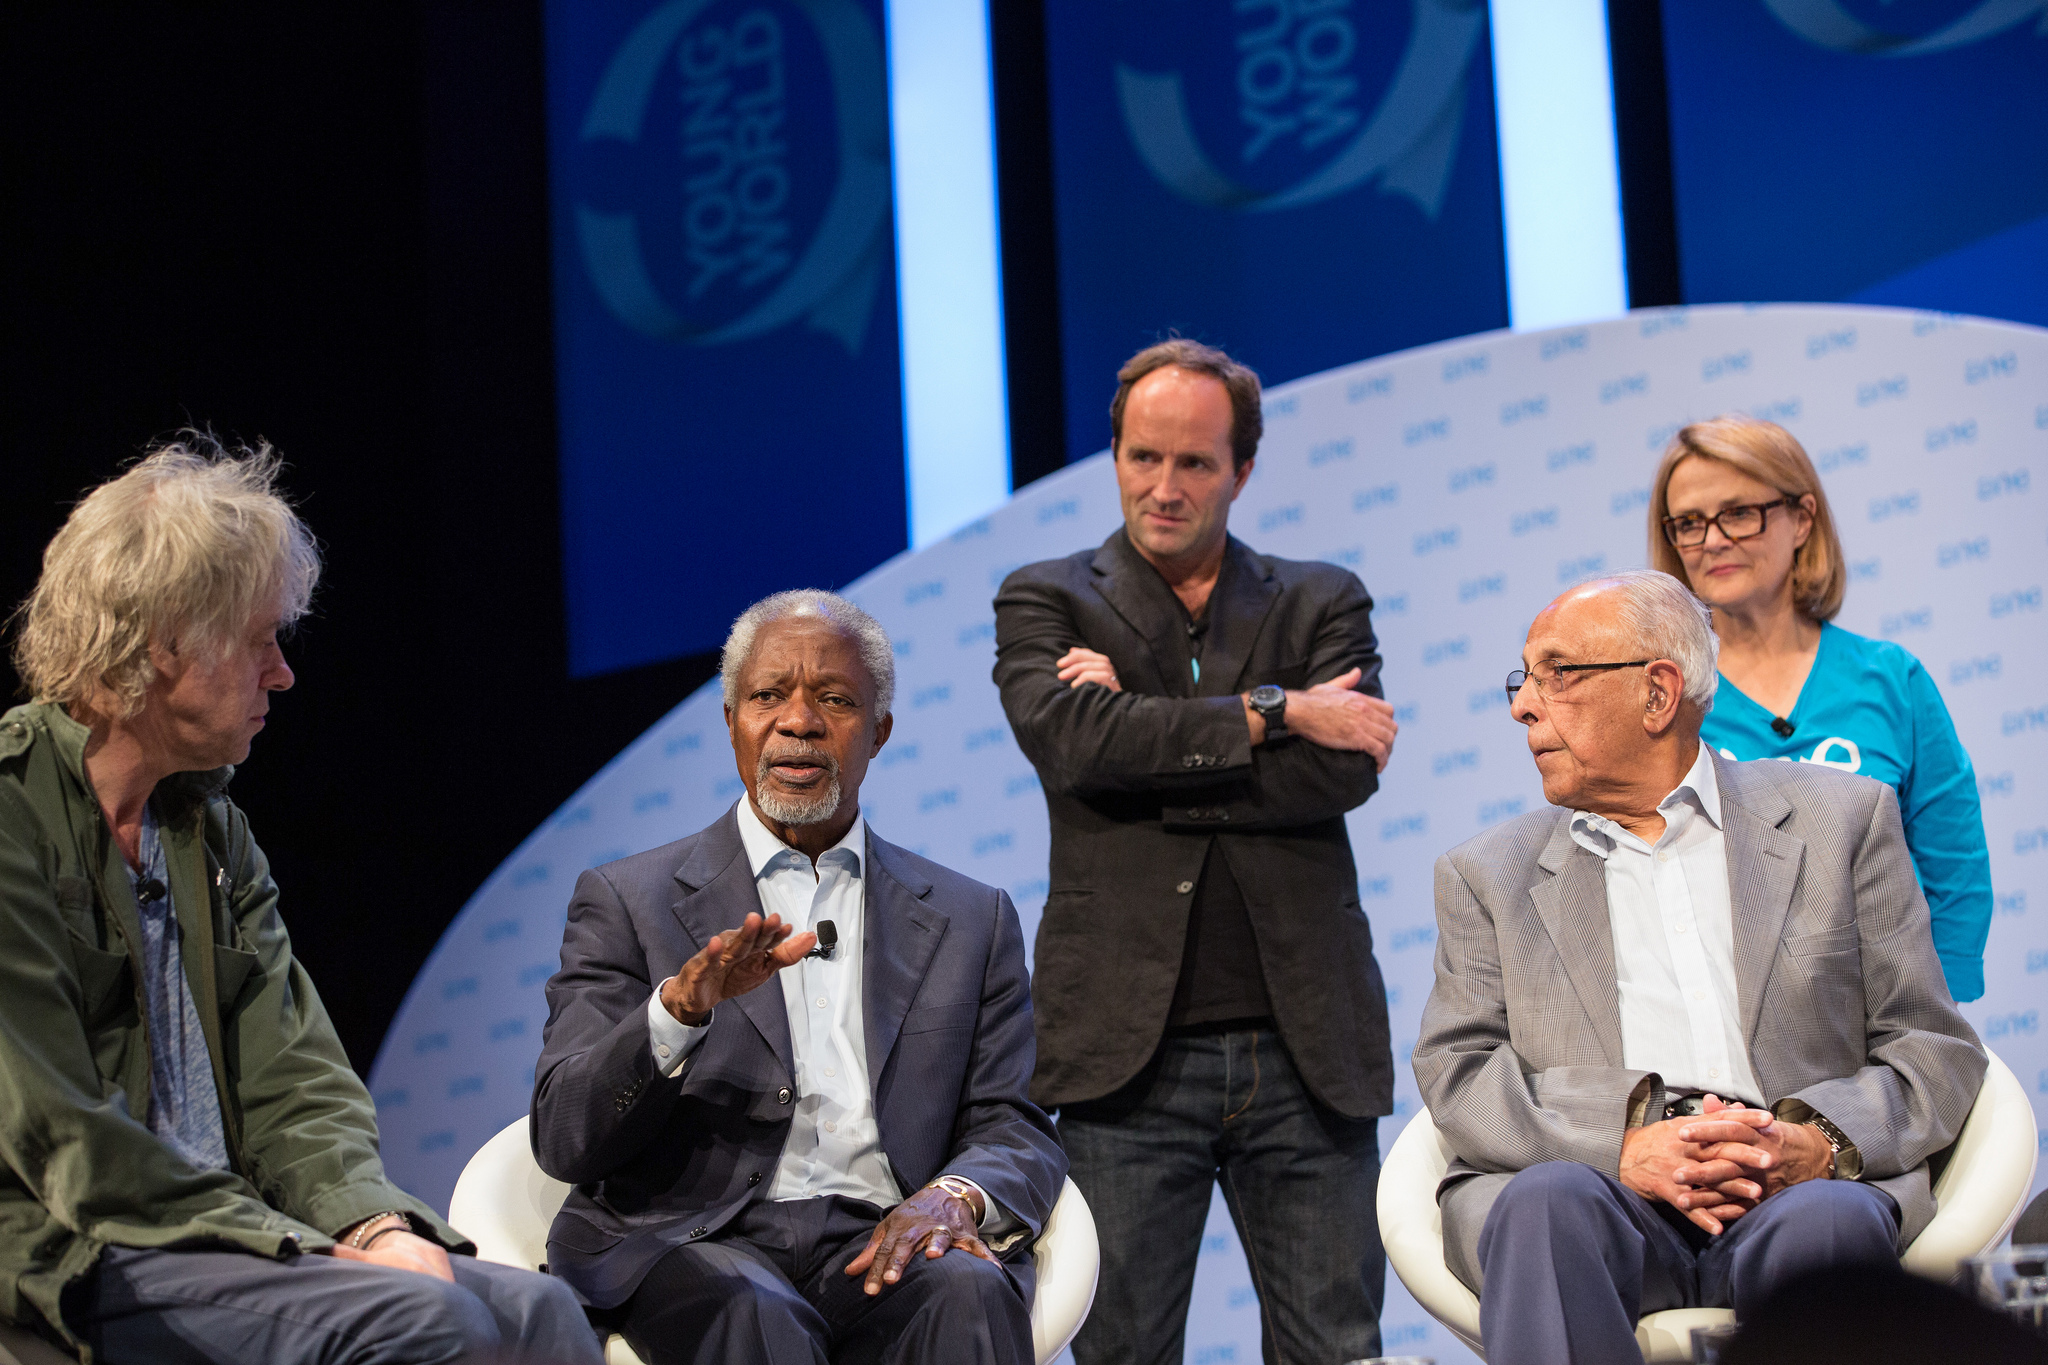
<point>1271,702</point>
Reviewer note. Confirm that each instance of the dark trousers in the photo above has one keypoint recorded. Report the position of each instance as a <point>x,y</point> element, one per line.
<point>226,1308</point>
<point>1571,1258</point>
<point>1300,1182</point>
<point>770,1289</point>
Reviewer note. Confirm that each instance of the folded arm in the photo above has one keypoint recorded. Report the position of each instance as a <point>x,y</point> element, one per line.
<point>1196,752</point>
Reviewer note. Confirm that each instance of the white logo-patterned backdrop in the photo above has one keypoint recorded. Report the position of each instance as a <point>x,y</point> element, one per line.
<point>1466,483</point>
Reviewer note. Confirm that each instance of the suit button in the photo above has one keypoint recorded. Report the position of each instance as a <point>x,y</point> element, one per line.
<point>1185,887</point>
<point>753,1180</point>
<point>782,1096</point>
<point>698,1232</point>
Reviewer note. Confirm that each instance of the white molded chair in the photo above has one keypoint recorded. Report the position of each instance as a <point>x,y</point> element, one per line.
<point>504,1203</point>
<point>1979,1193</point>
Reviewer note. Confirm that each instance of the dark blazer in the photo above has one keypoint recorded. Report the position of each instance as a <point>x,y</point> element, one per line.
<point>660,1162</point>
<point>1140,782</point>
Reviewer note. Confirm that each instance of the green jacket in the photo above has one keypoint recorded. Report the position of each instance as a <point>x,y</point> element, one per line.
<point>82,1171</point>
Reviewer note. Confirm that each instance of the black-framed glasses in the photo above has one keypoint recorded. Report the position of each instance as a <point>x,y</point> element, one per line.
<point>1736,523</point>
<point>1549,677</point>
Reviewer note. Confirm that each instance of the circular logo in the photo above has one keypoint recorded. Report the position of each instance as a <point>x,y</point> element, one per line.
<point>1826,23</point>
<point>734,171</point>
<point>1286,93</point>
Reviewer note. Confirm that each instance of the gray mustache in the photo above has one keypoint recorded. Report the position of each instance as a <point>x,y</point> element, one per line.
<point>808,752</point>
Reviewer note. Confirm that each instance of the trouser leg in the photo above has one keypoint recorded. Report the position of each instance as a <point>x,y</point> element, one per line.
<point>1571,1259</point>
<point>223,1308</point>
<point>1302,1185</point>
<point>722,1303</point>
<point>957,1310</point>
<point>1145,1159</point>
<point>1810,1226</point>
<point>537,1316</point>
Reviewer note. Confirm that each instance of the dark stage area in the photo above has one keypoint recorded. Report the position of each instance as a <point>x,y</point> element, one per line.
<point>324,226</point>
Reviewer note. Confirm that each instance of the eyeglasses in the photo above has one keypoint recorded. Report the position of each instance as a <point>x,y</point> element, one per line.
<point>1736,523</point>
<point>1550,678</point>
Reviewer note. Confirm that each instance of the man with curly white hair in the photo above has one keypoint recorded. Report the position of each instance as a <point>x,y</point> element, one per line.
<point>191,1164</point>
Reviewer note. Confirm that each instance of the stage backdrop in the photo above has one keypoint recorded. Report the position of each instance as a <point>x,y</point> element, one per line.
<point>1862,150</point>
<point>1302,183</point>
<point>725,294</point>
<point>1466,483</point>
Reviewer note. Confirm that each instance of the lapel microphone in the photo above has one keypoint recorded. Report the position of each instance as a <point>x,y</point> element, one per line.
<point>828,940</point>
<point>151,890</point>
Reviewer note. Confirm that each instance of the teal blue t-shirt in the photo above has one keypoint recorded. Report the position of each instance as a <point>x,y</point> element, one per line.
<point>1869,707</point>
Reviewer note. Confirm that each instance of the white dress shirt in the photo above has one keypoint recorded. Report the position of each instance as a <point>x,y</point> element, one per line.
<point>1674,941</point>
<point>835,1143</point>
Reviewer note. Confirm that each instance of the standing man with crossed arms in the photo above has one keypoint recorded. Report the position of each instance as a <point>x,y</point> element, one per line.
<point>1202,717</point>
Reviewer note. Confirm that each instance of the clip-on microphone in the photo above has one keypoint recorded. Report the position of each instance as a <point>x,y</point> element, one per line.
<point>828,940</point>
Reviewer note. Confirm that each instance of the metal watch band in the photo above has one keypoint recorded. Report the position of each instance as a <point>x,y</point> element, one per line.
<point>1838,1141</point>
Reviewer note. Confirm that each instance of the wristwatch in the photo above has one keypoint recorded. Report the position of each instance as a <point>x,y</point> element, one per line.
<point>1271,702</point>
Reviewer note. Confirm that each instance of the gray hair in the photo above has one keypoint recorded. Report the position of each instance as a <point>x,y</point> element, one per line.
<point>180,551</point>
<point>866,631</point>
<point>1663,620</point>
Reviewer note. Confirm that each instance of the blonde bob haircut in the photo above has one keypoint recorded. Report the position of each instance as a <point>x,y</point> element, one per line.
<point>1769,454</point>
<point>180,551</point>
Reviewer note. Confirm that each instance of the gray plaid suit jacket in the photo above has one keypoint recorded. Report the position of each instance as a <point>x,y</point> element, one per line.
<point>1841,995</point>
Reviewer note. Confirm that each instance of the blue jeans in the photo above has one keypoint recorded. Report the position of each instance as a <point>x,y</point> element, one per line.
<point>227,1308</point>
<point>1299,1179</point>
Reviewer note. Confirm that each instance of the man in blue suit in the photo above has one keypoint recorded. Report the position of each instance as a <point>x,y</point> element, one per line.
<point>786,1062</point>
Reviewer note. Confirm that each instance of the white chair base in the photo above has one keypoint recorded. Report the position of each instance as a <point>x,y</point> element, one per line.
<point>1979,1195</point>
<point>505,1203</point>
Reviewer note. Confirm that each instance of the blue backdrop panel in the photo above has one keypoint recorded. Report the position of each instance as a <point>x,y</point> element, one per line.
<point>1883,151</point>
<point>725,311</point>
<point>1466,483</point>
<point>1303,181</point>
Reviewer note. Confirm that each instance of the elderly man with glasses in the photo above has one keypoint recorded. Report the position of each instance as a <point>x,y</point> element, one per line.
<point>1689,1036</point>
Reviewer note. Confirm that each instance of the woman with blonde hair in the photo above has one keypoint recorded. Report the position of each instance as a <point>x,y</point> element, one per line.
<point>1738,512</point>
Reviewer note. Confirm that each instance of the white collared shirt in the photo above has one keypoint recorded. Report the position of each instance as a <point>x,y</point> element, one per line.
<point>835,1142</point>
<point>1672,918</point>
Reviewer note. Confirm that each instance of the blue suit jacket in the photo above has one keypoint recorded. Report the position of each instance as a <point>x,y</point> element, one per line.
<point>660,1162</point>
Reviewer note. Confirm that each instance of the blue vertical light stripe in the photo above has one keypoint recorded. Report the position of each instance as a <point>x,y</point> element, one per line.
<point>949,265</point>
<point>1560,181</point>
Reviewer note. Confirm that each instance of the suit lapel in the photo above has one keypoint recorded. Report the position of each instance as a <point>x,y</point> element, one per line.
<point>900,933</point>
<point>718,893</point>
<point>1573,905</point>
<point>1244,597</point>
<point>1139,595</point>
<point>1763,871</point>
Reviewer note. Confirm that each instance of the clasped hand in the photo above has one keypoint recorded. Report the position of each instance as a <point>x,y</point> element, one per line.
<point>932,1221</point>
<point>731,964</point>
<point>1716,1166</point>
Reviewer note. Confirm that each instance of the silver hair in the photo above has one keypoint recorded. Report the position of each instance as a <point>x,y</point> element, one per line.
<point>1663,620</point>
<point>866,632</point>
<point>180,552</point>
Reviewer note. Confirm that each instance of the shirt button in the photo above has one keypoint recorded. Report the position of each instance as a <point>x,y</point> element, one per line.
<point>831,1071</point>
<point>1665,856</point>
<point>830,1126</point>
<point>663,1049</point>
<point>821,1002</point>
<point>1185,887</point>
<point>1713,1073</point>
<point>1679,930</point>
<point>1699,995</point>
